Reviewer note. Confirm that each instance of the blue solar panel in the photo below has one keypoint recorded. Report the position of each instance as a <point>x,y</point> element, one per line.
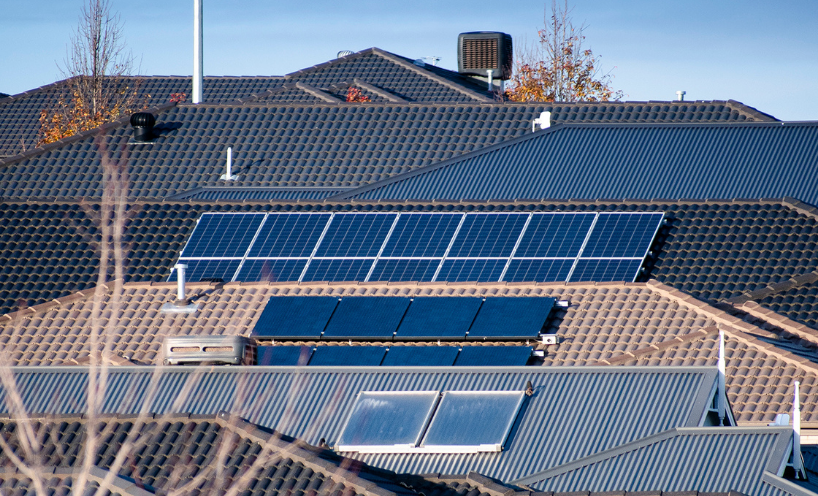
<point>511,317</point>
<point>289,235</point>
<point>404,270</point>
<point>471,270</point>
<point>361,356</point>
<point>271,270</point>
<point>439,317</point>
<point>606,270</point>
<point>338,270</point>
<point>421,235</point>
<point>475,356</point>
<point>538,270</point>
<point>295,316</point>
<point>622,235</point>
<point>488,235</point>
<point>198,270</point>
<point>420,356</point>
<point>222,235</point>
<point>554,235</point>
<point>366,317</point>
<point>355,235</point>
<point>283,355</point>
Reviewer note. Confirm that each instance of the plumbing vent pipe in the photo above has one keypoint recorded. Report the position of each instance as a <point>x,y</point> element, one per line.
<point>228,174</point>
<point>180,285</point>
<point>142,123</point>
<point>681,95</point>
<point>797,460</point>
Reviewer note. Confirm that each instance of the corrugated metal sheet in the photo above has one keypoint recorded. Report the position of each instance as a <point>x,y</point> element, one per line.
<point>575,412</point>
<point>716,161</point>
<point>256,194</point>
<point>706,460</point>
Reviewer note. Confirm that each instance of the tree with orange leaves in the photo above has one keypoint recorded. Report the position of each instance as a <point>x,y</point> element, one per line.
<point>558,68</point>
<point>95,67</point>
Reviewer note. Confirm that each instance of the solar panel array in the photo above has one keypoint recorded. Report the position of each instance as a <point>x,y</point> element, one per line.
<point>430,422</point>
<point>514,247</point>
<point>384,318</point>
<point>395,356</point>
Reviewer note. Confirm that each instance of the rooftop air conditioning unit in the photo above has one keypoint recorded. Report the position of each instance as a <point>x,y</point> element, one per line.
<point>483,51</point>
<point>195,350</point>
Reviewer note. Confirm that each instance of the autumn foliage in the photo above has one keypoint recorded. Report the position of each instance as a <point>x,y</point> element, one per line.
<point>558,68</point>
<point>354,95</point>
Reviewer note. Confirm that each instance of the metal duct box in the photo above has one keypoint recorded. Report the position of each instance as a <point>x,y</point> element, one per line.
<point>195,350</point>
<point>483,51</point>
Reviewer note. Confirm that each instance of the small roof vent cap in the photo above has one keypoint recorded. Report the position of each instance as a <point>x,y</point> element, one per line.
<point>142,123</point>
<point>344,53</point>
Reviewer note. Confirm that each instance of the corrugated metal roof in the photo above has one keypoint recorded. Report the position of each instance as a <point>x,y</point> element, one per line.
<point>698,459</point>
<point>633,161</point>
<point>575,411</point>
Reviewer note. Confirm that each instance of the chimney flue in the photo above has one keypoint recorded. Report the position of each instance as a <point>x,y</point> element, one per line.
<point>197,51</point>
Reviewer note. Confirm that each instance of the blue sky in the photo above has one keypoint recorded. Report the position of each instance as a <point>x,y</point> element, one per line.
<point>761,53</point>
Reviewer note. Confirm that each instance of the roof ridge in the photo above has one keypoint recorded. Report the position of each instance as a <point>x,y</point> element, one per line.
<point>329,63</point>
<point>378,91</point>
<point>771,289</point>
<point>749,111</point>
<point>295,450</point>
<point>651,348</point>
<point>322,95</point>
<point>104,128</point>
<point>18,96</point>
<point>803,331</point>
<point>430,75</point>
<point>48,305</point>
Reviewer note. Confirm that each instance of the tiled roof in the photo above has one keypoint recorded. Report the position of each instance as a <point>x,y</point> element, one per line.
<point>318,144</point>
<point>605,324</point>
<point>209,453</point>
<point>308,146</point>
<point>314,403</point>
<point>396,75</point>
<point>19,114</point>
<point>713,250</point>
<point>704,459</point>
<point>618,161</point>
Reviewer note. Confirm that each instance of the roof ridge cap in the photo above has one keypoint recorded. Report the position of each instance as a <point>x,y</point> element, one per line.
<point>295,450</point>
<point>771,289</point>
<point>62,301</point>
<point>430,75</point>
<point>329,63</point>
<point>322,95</point>
<point>749,111</point>
<point>103,129</point>
<point>773,350</point>
<point>800,207</point>
<point>24,94</point>
<point>663,345</point>
<point>803,331</point>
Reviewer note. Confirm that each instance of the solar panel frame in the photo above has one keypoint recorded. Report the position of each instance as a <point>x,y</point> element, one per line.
<point>207,268</point>
<point>471,269</point>
<point>472,421</point>
<point>622,235</point>
<point>366,317</point>
<point>488,235</point>
<point>277,239</point>
<point>337,269</point>
<point>420,356</point>
<point>493,356</point>
<point>355,235</point>
<point>222,235</point>
<point>544,269</point>
<point>283,356</point>
<point>517,318</point>
<point>306,317</point>
<point>271,270</point>
<point>386,269</point>
<point>438,317</point>
<point>413,226</point>
<point>347,356</point>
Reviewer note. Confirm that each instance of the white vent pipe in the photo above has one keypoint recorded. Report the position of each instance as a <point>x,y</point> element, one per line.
<point>721,395</point>
<point>228,173</point>
<point>490,72</point>
<point>180,282</point>
<point>797,461</point>
<point>544,121</point>
<point>681,95</point>
<point>198,44</point>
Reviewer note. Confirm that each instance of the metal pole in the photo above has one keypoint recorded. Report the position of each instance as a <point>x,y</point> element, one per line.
<point>198,44</point>
<point>180,282</point>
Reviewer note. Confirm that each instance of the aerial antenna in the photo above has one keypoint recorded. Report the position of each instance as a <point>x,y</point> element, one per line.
<point>432,59</point>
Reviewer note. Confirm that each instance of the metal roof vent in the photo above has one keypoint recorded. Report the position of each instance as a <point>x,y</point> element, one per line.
<point>681,95</point>
<point>195,350</point>
<point>485,53</point>
<point>344,53</point>
<point>181,304</point>
<point>142,123</point>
